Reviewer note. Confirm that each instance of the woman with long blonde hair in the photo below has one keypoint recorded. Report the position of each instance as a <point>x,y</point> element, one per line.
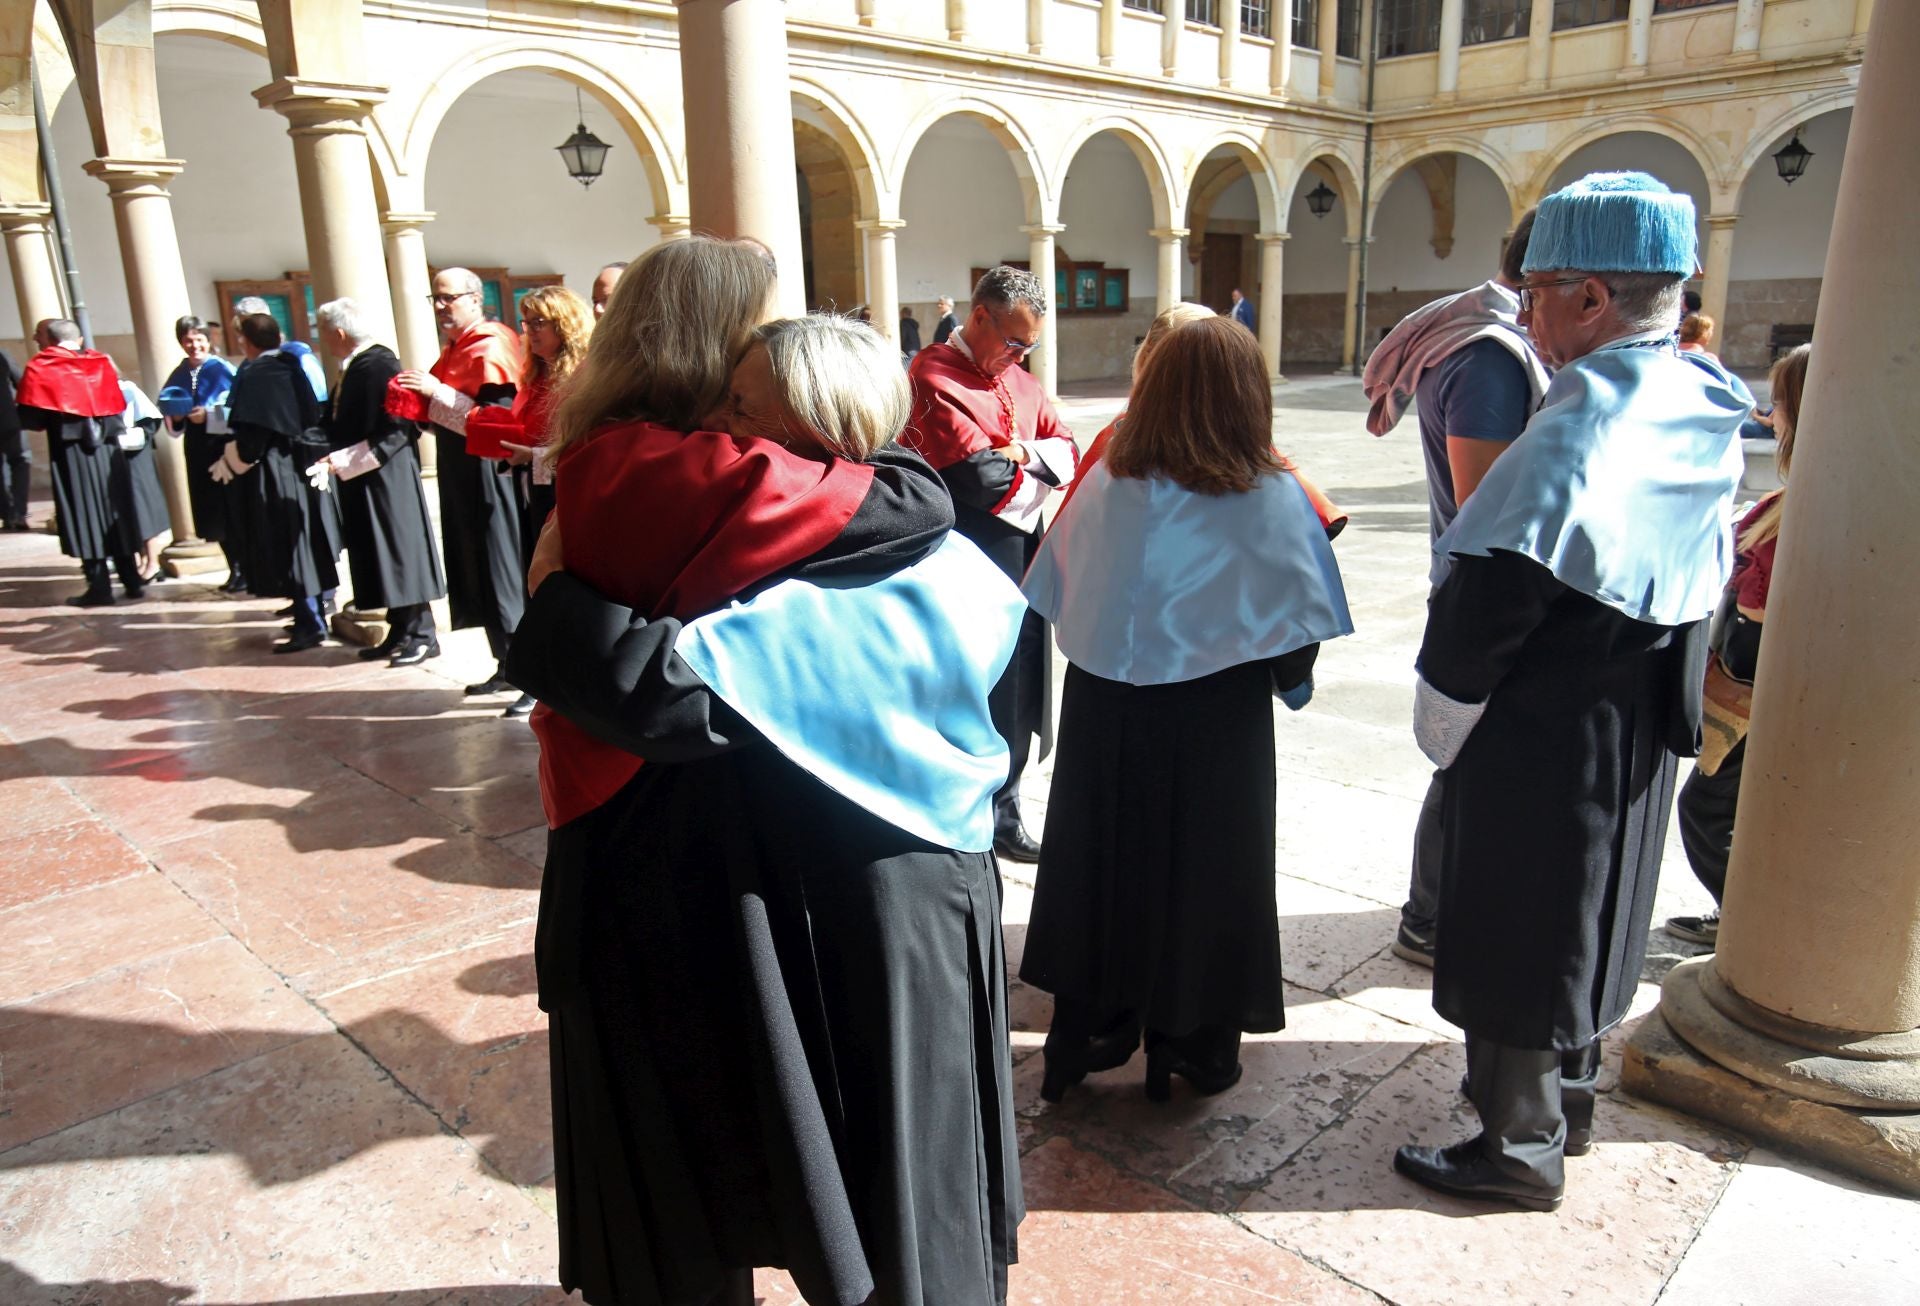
<point>1711,794</point>
<point>769,938</point>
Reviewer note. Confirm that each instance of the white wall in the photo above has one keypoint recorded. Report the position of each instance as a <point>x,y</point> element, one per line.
<point>1641,152</point>
<point>1783,229</point>
<point>1402,257</point>
<point>1108,211</point>
<point>1316,249</point>
<point>962,206</point>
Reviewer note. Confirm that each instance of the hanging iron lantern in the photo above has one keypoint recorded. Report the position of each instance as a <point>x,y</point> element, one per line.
<point>1791,159</point>
<point>584,153</point>
<point>1320,200</point>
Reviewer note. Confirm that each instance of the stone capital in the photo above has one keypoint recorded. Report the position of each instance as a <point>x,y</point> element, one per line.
<point>131,178</point>
<point>672,224</point>
<point>1043,228</point>
<point>1167,235</point>
<point>1273,237</point>
<point>320,107</point>
<point>25,217</point>
<point>886,226</point>
<point>1722,221</point>
<point>394,223</point>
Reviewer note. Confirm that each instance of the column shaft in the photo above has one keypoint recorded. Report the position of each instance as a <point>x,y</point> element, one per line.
<point>1540,43</point>
<point>36,275</point>
<point>1040,261</point>
<point>883,276</point>
<point>1639,38</point>
<point>956,20</point>
<point>1746,29</point>
<point>1273,250</point>
<point>416,339</point>
<point>1229,16</point>
<point>1037,26</point>
<point>1715,276</point>
<point>1329,46</point>
<point>740,167</point>
<point>1175,13</point>
<point>1109,31</point>
<point>1452,16</point>
<point>1353,304</point>
<point>1167,293</point>
<point>1280,58</point>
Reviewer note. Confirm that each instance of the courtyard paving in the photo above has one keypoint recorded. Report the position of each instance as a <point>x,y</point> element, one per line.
<point>268,1034</point>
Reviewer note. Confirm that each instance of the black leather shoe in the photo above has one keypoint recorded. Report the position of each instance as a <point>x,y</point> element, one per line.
<point>236,584</point>
<point>415,651</point>
<point>1163,1063</point>
<point>384,649</point>
<point>287,611</point>
<point>1068,1066</point>
<point>136,591</point>
<point>300,641</point>
<point>521,706</point>
<point>496,683</point>
<point>93,599</point>
<point>1463,1170</point>
<point>1579,1142</point>
<point>1015,844</point>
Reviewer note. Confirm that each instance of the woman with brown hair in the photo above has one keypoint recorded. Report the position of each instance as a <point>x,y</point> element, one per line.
<point>1712,793</point>
<point>769,939</point>
<point>1189,582</point>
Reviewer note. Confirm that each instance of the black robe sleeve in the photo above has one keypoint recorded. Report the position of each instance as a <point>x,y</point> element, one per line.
<point>361,413</point>
<point>1290,670</point>
<point>1479,619</point>
<point>981,480</point>
<point>616,675</point>
<point>39,419</point>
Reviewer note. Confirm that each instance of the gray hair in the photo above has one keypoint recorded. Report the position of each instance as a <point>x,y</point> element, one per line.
<point>840,379</point>
<point>247,305</point>
<point>1645,301</point>
<point>62,331</point>
<point>1002,287</point>
<point>462,277</point>
<point>343,315</point>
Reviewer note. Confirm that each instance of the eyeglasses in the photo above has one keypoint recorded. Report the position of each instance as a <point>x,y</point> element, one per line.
<point>1017,346</point>
<point>535,323</point>
<point>1526,292</point>
<point>442,301</point>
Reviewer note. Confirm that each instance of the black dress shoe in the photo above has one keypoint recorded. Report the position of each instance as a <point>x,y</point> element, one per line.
<point>288,611</point>
<point>236,584</point>
<point>373,653</point>
<point>300,641</point>
<point>497,683</point>
<point>136,591</point>
<point>1463,1170</point>
<point>93,599</point>
<point>1015,844</point>
<point>1067,1066</point>
<point>1163,1063</point>
<point>521,706</point>
<point>415,651</point>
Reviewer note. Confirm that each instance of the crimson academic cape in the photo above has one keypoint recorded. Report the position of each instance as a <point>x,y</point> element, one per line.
<point>76,382</point>
<point>482,524</point>
<point>674,525</point>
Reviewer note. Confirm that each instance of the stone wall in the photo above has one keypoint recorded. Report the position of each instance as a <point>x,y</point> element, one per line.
<point>1311,325</point>
<point>1753,309</point>
<point>1098,345</point>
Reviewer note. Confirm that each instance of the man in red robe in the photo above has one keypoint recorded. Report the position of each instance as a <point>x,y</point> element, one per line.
<point>479,511</point>
<point>985,425</point>
<point>73,394</point>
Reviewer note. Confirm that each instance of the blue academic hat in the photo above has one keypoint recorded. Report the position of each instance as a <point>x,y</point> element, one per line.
<point>174,401</point>
<point>1614,222</point>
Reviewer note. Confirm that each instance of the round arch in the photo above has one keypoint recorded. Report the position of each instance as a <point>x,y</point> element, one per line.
<point>1711,166</point>
<point>1389,170</point>
<point>1003,127</point>
<point>1325,160</point>
<point>664,179</point>
<point>1260,171</point>
<point>1802,112</point>
<point>1139,141</point>
<point>825,112</point>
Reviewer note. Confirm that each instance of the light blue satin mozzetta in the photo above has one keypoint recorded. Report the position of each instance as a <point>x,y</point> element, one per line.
<point>1149,583</point>
<point>1622,484</point>
<point>878,689</point>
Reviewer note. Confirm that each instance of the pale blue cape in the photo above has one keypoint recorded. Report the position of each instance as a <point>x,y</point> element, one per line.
<point>1622,484</point>
<point>1149,583</point>
<point>878,689</point>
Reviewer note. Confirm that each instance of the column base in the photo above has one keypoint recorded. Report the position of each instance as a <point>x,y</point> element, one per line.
<point>352,626</point>
<point>1883,1148</point>
<point>192,558</point>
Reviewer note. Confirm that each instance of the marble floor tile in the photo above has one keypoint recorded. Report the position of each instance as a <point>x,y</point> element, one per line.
<point>480,775</point>
<point>1325,933</point>
<point>72,937</point>
<point>29,803</point>
<point>61,858</point>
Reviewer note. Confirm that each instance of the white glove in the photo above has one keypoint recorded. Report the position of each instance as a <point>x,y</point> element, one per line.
<point>319,474</point>
<point>220,472</point>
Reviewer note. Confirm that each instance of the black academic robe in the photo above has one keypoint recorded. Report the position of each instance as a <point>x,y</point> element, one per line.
<point>391,552</point>
<point>81,451</point>
<point>778,1024</point>
<point>290,554</point>
<point>140,506</point>
<point>480,512</point>
<point>1556,808</point>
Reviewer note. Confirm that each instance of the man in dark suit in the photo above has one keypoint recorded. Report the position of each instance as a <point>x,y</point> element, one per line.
<point>947,324</point>
<point>373,460</point>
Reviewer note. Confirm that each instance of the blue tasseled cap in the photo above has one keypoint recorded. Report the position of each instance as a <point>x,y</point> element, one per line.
<point>1614,222</point>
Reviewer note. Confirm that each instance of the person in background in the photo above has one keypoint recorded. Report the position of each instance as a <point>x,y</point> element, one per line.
<point>16,459</point>
<point>1696,335</point>
<point>198,382</point>
<point>986,426</point>
<point>479,510</point>
<point>1243,312</point>
<point>140,506</point>
<point>373,462</point>
<point>557,325</point>
<point>1189,580</point>
<point>603,283</point>
<point>909,331</point>
<point>1476,379</point>
<point>1711,794</point>
<point>1689,304</point>
<point>301,351</point>
<point>73,394</point>
<point>947,324</point>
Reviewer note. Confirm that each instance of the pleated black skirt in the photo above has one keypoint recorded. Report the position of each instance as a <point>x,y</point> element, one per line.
<point>140,504</point>
<point>1155,890</point>
<point>83,500</point>
<point>212,503</point>
<point>779,1038</point>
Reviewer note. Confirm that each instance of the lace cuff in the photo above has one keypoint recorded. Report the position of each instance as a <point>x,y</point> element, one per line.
<point>1441,724</point>
<point>448,408</point>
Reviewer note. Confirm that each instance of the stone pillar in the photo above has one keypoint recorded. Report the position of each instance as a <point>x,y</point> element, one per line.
<point>740,167</point>
<point>1229,15</point>
<point>157,294</point>
<point>1109,31</point>
<point>866,9</point>
<point>1452,17</point>
<point>1329,46</point>
<point>1273,250</point>
<point>1639,38</point>
<point>883,275</point>
<point>1746,29</point>
<point>1812,1000</point>
<point>416,339</point>
<point>36,274</point>
<point>1040,262</point>
<point>1718,270</point>
<point>335,173</point>
<point>1037,26</point>
<point>1280,58</point>
<point>1169,290</point>
<point>957,20</point>
<point>1175,13</point>
<point>1353,304</point>
<point>1540,45</point>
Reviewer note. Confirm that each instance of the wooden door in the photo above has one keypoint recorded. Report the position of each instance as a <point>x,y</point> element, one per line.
<point>1220,261</point>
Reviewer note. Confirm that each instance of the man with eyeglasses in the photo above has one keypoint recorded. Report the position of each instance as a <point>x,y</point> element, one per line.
<point>1475,378</point>
<point>985,425</point>
<point>1560,678</point>
<point>479,511</point>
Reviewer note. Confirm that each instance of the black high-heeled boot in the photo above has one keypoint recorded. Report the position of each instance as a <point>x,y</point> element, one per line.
<point>1074,1049</point>
<point>1208,1059</point>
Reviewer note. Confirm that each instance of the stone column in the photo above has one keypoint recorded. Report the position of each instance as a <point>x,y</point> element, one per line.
<point>1540,45</point>
<point>957,20</point>
<point>1037,26</point>
<point>1175,13</point>
<point>416,339</point>
<point>335,173</point>
<point>1746,29</point>
<point>1109,31</point>
<point>36,275</point>
<point>157,294</point>
<point>1807,1019</point>
<point>1273,250</point>
<point>1639,38</point>
<point>1229,16</point>
<point>1280,58</point>
<point>1329,46</point>
<point>1169,290</point>
<point>1353,304</point>
<point>866,10</point>
<point>1452,17</point>
<point>1040,262</point>
<point>740,168</point>
<point>883,275</point>
<point>1715,275</point>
